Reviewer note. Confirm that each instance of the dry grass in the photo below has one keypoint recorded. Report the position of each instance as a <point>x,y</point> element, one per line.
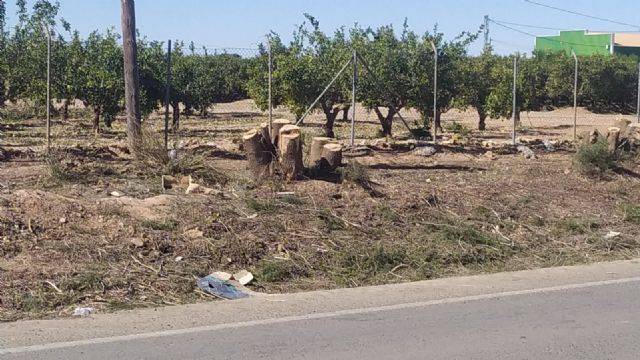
<point>457,212</point>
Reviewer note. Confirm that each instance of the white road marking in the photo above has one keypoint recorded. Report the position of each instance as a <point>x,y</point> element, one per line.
<point>168,333</point>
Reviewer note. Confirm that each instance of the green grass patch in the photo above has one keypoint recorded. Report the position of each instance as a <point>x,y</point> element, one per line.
<point>631,214</point>
<point>261,206</point>
<point>273,271</point>
<point>163,225</point>
<point>575,226</point>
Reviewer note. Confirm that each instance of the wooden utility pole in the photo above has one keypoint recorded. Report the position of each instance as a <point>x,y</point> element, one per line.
<point>131,80</point>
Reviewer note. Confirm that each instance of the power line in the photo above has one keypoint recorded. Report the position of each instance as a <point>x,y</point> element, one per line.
<point>546,38</point>
<point>584,15</point>
<point>529,26</point>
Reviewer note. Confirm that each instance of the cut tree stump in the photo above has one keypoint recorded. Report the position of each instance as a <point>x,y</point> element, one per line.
<point>315,154</point>
<point>331,156</point>
<point>276,126</point>
<point>613,139</point>
<point>266,138</point>
<point>589,137</point>
<point>258,156</point>
<point>290,150</point>
<point>633,133</point>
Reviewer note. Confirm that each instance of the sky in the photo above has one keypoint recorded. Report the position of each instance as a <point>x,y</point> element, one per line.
<point>244,23</point>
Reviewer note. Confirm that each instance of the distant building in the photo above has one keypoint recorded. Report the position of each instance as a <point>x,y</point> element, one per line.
<point>591,43</point>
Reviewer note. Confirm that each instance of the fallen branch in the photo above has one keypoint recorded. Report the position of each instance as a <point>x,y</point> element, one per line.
<point>157,272</point>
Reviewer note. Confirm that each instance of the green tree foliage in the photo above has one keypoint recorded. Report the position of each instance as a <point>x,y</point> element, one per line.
<point>307,66</point>
<point>101,85</point>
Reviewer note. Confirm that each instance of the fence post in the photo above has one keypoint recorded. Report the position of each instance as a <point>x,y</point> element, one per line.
<point>435,92</point>
<point>638,106</point>
<point>575,98</point>
<point>353,97</point>
<point>167,97</point>
<point>514,97</point>
<point>48,33</point>
<point>270,79</point>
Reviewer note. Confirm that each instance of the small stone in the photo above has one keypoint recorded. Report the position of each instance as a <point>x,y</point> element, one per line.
<point>137,242</point>
<point>194,234</point>
<point>424,151</point>
<point>116,194</point>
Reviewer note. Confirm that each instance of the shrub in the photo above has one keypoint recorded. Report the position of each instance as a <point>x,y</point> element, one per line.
<point>456,128</point>
<point>594,159</point>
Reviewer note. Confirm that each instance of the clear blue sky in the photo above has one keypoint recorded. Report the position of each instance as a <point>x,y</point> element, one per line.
<point>243,23</point>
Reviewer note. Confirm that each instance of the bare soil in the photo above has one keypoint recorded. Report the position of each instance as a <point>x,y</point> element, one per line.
<point>66,241</point>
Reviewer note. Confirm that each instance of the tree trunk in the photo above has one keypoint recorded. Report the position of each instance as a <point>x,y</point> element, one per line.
<point>96,120</point>
<point>345,114</point>
<point>290,148</point>
<point>386,121</point>
<point>482,122</point>
<point>65,110</point>
<point>176,115</point>
<point>258,157</point>
<point>331,156</point>
<point>330,115</point>
<point>315,153</point>
<point>131,76</point>
<point>438,121</point>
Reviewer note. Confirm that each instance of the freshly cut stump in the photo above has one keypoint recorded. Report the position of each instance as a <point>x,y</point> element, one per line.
<point>290,148</point>
<point>331,156</point>
<point>275,129</point>
<point>613,139</point>
<point>258,156</point>
<point>266,138</point>
<point>315,154</point>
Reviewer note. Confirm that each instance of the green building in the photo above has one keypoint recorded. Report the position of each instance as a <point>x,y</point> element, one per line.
<point>591,43</point>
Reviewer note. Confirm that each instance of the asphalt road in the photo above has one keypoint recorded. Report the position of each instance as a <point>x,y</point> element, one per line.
<point>588,312</point>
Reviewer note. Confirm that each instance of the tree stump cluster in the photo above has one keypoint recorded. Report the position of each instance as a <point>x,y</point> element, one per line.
<point>281,151</point>
<point>624,135</point>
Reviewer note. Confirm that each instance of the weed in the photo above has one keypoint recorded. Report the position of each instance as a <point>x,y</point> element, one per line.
<point>358,174</point>
<point>164,225</point>
<point>631,214</point>
<point>329,222</point>
<point>278,271</point>
<point>365,264</point>
<point>575,226</point>
<point>594,159</point>
<point>117,305</point>
<point>258,205</point>
<point>56,170</point>
<point>87,281</point>
<point>388,214</point>
<point>292,200</point>
<point>150,152</point>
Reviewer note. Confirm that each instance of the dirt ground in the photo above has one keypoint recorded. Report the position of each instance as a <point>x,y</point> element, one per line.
<point>474,206</point>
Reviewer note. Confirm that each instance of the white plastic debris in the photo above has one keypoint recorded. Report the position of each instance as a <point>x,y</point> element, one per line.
<point>612,235</point>
<point>83,311</point>
<point>116,194</point>
<point>243,277</point>
<point>225,276</point>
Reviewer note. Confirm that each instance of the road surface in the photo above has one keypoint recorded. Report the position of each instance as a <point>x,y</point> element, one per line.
<point>585,312</point>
